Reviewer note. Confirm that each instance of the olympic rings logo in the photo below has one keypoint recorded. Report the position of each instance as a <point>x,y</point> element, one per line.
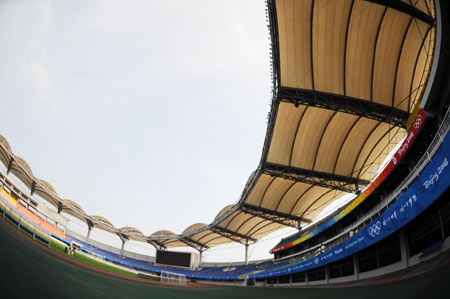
<point>375,229</point>
<point>418,122</point>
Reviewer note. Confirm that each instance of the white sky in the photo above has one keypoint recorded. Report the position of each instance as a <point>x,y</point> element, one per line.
<point>149,113</point>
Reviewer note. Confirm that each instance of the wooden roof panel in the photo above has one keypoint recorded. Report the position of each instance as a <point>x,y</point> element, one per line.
<point>173,243</point>
<point>307,140</point>
<point>265,228</point>
<point>210,238</point>
<point>162,233</point>
<point>241,219</point>
<point>72,208</point>
<point>423,5</point>
<point>330,20</point>
<point>47,192</point>
<point>251,224</point>
<point>103,224</point>
<point>286,126</point>
<point>358,139</point>
<point>387,52</point>
<point>294,22</point>
<point>380,152</point>
<point>326,199</point>
<point>329,149</point>
<point>260,188</point>
<point>407,63</point>
<point>230,218</point>
<point>308,198</point>
<point>362,34</point>
<point>291,197</point>
<point>5,151</point>
<point>275,193</point>
<point>423,63</point>
<point>223,211</point>
<point>22,171</point>
<point>5,142</point>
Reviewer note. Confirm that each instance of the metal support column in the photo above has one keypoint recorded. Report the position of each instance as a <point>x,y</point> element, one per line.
<point>246,253</point>
<point>200,253</point>
<point>356,266</point>
<point>122,248</point>
<point>88,234</point>
<point>306,278</point>
<point>403,249</point>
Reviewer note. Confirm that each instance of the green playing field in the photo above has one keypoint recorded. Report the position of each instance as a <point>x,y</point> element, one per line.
<point>31,270</point>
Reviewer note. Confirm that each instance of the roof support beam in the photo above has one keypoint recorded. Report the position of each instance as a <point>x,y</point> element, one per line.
<point>405,8</point>
<point>194,244</point>
<point>89,223</point>
<point>271,215</point>
<point>158,245</point>
<point>33,187</point>
<point>88,234</point>
<point>8,170</point>
<point>315,178</point>
<point>344,104</point>
<point>122,237</point>
<point>234,236</point>
<point>275,45</point>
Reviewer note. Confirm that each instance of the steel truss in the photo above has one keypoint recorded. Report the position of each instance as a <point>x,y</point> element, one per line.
<point>344,104</point>
<point>316,178</point>
<point>89,223</point>
<point>278,217</point>
<point>405,8</point>
<point>194,244</point>
<point>157,244</point>
<point>234,236</point>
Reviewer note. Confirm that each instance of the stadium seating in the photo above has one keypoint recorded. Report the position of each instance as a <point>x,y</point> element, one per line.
<point>22,210</point>
<point>217,273</point>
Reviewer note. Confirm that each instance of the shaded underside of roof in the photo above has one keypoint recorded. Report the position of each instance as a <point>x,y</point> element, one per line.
<point>103,224</point>
<point>132,233</point>
<point>72,208</point>
<point>5,151</point>
<point>20,168</point>
<point>46,191</point>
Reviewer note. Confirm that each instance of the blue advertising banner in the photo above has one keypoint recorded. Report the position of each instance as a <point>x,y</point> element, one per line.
<point>431,183</point>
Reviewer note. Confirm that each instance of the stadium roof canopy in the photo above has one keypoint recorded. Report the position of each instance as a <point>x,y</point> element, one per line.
<point>346,77</point>
<point>72,208</point>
